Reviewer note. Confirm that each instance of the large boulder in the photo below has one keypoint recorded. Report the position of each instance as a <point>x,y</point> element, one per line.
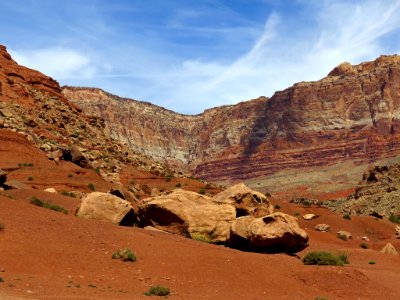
<point>188,213</point>
<point>245,200</point>
<point>277,232</point>
<point>104,206</point>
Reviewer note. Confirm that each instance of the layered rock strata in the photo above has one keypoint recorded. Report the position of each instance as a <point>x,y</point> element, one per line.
<point>352,114</point>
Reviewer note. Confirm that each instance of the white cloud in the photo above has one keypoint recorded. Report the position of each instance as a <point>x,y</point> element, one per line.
<point>58,62</point>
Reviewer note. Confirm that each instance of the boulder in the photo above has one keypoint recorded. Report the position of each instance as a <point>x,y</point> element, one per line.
<point>277,232</point>
<point>309,217</point>
<point>189,214</point>
<point>104,206</point>
<point>389,249</point>
<point>245,200</point>
<point>322,227</point>
<point>78,158</point>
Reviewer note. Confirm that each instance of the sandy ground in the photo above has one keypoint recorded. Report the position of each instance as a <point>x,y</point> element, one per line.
<point>50,255</point>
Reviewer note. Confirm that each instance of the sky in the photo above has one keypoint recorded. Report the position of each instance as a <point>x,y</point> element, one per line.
<point>190,55</point>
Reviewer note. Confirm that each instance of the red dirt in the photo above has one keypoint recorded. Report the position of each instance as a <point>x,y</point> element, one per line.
<point>50,255</point>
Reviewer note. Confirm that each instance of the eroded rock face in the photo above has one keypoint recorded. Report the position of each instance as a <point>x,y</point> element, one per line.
<point>104,206</point>
<point>377,194</point>
<point>277,232</point>
<point>245,200</point>
<point>188,213</point>
<point>352,114</point>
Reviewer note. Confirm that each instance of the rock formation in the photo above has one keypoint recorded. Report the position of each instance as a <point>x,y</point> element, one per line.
<point>377,194</point>
<point>352,114</point>
<point>104,206</point>
<point>277,232</point>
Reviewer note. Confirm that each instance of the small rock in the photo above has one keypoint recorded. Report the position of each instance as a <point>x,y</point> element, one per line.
<point>389,249</point>
<point>397,229</point>
<point>322,227</point>
<point>50,190</point>
<point>365,238</point>
<point>309,216</point>
<point>344,235</point>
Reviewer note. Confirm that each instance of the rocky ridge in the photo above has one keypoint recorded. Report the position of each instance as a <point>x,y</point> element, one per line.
<point>351,115</point>
<point>32,104</point>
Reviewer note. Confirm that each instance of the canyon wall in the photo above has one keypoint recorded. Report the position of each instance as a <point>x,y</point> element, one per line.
<point>352,114</point>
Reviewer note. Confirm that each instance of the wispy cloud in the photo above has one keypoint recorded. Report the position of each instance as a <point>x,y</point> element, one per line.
<point>191,57</point>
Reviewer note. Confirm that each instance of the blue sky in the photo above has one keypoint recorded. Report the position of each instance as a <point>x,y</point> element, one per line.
<point>189,55</point>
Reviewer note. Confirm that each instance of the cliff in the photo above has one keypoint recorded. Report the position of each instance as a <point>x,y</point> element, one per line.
<point>352,114</point>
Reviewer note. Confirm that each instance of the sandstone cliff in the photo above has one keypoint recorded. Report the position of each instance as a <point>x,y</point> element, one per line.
<point>352,114</point>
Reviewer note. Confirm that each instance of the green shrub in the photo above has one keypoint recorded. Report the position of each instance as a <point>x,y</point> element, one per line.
<point>1,279</point>
<point>267,194</point>
<point>70,175</point>
<point>364,245</point>
<point>296,214</point>
<point>277,206</point>
<point>325,258</point>
<point>30,178</point>
<point>69,194</point>
<point>202,191</point>
<point>124,255</point>
<point>41,203</point>
<point>201,237</point>
<point>344,258</point>
<point>372,262</point>
<point>157,290</point>
<point>395,219</point>
<point>97,170</point>
<point>347,217</point>
<point>91,186</point>
<point>178,185</point>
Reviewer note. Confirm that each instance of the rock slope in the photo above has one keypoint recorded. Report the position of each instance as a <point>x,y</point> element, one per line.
<point>352,114</point>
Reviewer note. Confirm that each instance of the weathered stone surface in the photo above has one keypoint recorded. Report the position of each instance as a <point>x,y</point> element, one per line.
<point>352,114</point>
<point>322,227</point>
<point>245,200</point>
<point>389,249</point>
<point>277,232</point>
<point>377,194</point>
<point>189,214</point>
<point>104,206</point>
<point>397,231</point>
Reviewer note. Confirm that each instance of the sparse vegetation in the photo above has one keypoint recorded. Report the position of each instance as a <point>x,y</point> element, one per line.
<point>347,217</point>
<point>202,191</point>
<point>372,262</point>
<point>296,214</point>
<point>70,175</point>
<point>25,165</point>
<point>124,255</point>
<point>158,290</point>
<point>267,194</point>
<point>395,219</point>
<point>178,185</point>
<point>91,186</point>
<point>97,170</point>
<point>325,258</point>
<point>1,279</point>
<point>69,194</point>
<point>41,203</point>
<point>30,178</point>
<point>364,245</point>
<point>168,178</point>
<point>277,206</point>
<point>2,226</point>
<point>198,236</point>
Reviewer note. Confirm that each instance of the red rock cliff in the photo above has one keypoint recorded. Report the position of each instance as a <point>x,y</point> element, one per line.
<point>352,114</point>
